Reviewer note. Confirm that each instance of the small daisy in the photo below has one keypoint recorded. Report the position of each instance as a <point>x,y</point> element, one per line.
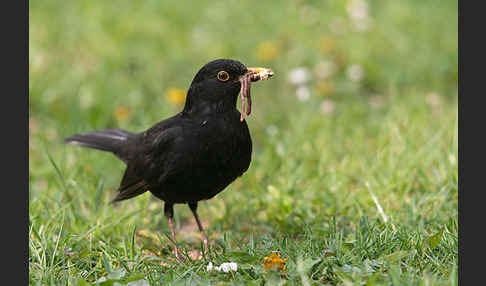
<point>303,93</point>
<point>299,76</point>
<point>209,267</point>
<point>327,106</point>
<point>272,130</point>
<point>225,267</point>
<point>357,9</point>
<point>355,72</point>
<point>324,69</point>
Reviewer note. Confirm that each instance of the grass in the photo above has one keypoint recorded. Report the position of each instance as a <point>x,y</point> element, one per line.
<point>355,185</point>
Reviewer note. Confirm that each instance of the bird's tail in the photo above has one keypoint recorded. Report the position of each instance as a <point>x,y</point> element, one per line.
<point>112,140</point>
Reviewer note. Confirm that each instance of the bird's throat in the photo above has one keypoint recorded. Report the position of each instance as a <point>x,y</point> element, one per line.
<point>199,105</point>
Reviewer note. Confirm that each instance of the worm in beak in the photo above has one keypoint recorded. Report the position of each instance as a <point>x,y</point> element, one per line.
<point>253,74</point>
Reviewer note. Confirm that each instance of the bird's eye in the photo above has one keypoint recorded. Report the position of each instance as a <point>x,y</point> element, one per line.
<point>223,76</point>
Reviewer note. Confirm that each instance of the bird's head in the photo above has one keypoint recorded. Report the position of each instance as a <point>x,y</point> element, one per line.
<point>216,86</point>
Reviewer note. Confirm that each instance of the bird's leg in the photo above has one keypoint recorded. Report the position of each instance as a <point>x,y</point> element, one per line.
<point>193,207</point>
<point>169,213</point>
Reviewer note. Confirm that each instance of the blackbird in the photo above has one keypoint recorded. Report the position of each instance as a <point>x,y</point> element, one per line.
<point>193,155</point>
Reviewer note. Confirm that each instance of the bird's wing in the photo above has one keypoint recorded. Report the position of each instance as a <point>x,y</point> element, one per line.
<point>126,192</point>
<point>150,160</point>
<point>131,185</point>
<point>157,156</point>
<point>161,155</point>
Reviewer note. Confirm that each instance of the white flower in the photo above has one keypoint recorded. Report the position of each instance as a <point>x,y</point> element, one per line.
<point>200,36</point>
<point>327,106</point>
<point>355,72</point>
<point>338,26</point>
<point>86,97</point>
<point>357,9</point>
<point>363,25</point>
<point>272,130</point>
<point>324,69</point>
<point>233,266</point>
<point>299,76</point>
<point>309,14</point>
<point>433,99</point>
<point>452,159</point>
<point>209,267</point>
<point>225,267</point>
<point>358,12</point>
<point>303,93</point>
<point>280,149</point>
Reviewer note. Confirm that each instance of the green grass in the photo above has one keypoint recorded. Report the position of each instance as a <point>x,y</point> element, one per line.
<point>357,185</point>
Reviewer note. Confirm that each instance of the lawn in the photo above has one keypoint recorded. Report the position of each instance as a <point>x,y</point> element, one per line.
<point>354,173</point>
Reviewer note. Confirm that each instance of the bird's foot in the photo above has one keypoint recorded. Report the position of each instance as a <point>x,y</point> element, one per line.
<point>195,255</point>
<point>178,255</point>
<point>206,247</point>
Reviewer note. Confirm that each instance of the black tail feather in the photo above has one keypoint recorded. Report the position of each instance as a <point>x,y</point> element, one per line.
<point>111,140</point>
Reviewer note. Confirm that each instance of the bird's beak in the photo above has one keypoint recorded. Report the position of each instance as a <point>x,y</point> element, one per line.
<point>257,74</point>
<point>253,74</point>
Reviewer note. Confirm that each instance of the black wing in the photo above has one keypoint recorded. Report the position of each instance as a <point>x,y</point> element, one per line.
<point>152,160</point>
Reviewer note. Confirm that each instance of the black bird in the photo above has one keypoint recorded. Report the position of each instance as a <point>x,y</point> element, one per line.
<point>193,155</point>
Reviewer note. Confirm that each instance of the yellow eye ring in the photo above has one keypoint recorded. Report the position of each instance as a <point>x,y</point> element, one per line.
<point>223,76</point>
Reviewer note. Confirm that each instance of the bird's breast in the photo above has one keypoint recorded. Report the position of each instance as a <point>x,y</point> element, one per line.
<point>209,153</point>
<point>227,144</point>
<point>223,153</point>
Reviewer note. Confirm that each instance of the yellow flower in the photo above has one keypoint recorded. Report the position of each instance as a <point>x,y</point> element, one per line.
<point>327,44</point>
<point>267,51</point>
<point>324,88</point>
<point>274,262</point>
<point>122,113</point>
<point>176,95</point>
<point>147,234</point>
<point>88,168</point>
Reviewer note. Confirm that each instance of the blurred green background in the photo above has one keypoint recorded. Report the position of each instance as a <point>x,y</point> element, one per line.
<point>361,113</point>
